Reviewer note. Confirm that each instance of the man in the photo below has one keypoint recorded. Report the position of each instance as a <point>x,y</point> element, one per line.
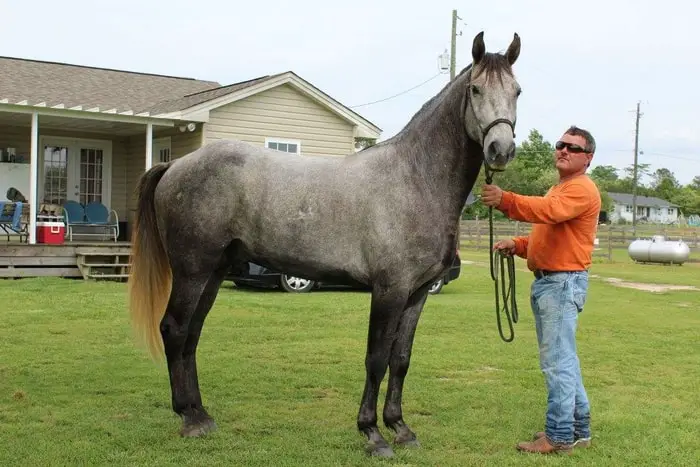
<point>558,251</point>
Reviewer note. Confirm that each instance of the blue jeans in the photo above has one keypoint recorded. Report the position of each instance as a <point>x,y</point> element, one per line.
<point>556,301</point>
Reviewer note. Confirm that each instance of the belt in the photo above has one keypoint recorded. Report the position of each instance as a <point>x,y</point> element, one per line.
<point>540,273</point>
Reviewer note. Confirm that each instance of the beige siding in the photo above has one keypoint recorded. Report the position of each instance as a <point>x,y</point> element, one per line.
<point>119,161</point>
<point>135,167</point>
<point>286,113</point>
<point>182,143</point>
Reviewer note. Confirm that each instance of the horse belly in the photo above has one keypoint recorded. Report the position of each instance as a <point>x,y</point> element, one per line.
<point>301,227</point>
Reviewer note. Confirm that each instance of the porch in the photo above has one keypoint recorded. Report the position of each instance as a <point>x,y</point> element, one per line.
<point>53,157</point>
<point>86,260</point>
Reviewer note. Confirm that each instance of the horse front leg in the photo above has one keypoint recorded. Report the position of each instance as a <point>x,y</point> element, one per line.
<point>386,308</point>
<point>399,362</point>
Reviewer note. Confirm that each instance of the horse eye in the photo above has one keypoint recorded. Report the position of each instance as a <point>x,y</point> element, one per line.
<point>475,90</point>
<point>519,91</point>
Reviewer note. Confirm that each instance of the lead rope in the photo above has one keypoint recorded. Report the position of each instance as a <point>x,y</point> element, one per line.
<point>507,264</point>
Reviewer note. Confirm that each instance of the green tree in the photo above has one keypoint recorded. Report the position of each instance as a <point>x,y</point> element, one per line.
<point>688,199</point>
<point>604,175</point>
<point>363,143</point>
<point>532,172</point>
<point>664,184</point>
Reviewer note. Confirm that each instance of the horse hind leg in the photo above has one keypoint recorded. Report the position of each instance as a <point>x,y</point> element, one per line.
<point>385,310</point>
<point>191,299</point>
<point>398,368</point>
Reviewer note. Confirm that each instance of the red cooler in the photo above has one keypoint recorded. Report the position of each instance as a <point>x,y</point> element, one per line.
<point>52,232</point>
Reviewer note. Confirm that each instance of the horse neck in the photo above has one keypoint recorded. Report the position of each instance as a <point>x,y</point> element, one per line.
<point>437,150</point>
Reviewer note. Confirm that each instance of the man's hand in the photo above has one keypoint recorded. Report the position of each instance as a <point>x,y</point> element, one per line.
<point>506,246</point>
<point>491,195</point>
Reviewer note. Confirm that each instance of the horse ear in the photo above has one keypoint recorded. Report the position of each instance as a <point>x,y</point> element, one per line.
<point>478,48</point>
<point>513,49</point>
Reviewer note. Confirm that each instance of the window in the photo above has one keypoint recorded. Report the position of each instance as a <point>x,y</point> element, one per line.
<point>164,155</point>
<point>628,208</point>
<point>670,211</point>
<point>161,150</point>
<point>55,174</point>
<point>283,145</point>
<point>91,163</point>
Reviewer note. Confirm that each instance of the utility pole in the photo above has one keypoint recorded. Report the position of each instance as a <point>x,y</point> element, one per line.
<point>634,176</point>
<point>453,47</point>
<point>453,73</point>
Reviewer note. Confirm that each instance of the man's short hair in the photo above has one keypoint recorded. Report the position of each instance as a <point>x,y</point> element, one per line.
<point>590,141</point>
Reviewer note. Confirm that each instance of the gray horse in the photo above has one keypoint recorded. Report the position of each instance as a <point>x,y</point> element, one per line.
<point>385,217</point>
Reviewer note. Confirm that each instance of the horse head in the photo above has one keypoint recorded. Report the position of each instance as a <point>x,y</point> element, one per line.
<point>491,102</point>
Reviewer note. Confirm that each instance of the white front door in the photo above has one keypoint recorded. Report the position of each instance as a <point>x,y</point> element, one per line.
<point>75,169</point>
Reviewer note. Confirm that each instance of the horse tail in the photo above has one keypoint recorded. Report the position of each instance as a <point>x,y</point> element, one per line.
<point>150,280</point>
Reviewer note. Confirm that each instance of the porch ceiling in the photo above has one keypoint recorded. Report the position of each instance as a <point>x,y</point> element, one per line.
<point>81,125</point>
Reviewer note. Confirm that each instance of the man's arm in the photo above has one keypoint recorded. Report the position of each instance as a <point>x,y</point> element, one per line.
<point>550,209</point>
<point>521,246</point>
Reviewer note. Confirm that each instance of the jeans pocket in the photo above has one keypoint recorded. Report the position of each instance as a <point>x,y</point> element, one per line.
<point>580,291</point>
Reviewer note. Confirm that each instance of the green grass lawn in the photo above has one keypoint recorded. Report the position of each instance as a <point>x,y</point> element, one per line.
<point>283,375</point>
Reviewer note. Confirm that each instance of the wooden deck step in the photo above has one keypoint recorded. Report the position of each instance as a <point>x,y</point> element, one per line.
<point>103,251</point>
<point>109,263</point>
<point>109,276</point>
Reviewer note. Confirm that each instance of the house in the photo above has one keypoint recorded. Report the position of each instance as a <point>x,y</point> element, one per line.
<point>71,132</point>
<point>649,209</point>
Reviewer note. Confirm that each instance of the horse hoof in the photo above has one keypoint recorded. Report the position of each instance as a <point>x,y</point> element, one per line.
<point>405,437</point>
<point>380,451</point>
<point>410,442</point>
<point>197,428</point>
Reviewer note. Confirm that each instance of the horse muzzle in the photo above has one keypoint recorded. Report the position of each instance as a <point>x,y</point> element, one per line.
<point>499,153</point>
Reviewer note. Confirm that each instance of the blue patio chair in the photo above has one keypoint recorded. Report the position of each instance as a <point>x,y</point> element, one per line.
<point>97,214</point>
<point>73,214</point>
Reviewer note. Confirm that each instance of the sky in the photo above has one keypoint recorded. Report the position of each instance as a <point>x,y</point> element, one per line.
<point>586,63</point>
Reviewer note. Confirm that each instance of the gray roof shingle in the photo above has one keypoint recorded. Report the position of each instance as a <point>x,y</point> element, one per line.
<point>76,85</point>
<point>646,201</point>
<point>196,98</point>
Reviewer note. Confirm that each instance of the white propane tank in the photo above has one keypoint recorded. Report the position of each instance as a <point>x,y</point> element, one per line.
<point>659,250</point>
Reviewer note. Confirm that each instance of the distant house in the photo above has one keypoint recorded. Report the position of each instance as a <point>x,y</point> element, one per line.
<point>649,209</point>
<point>86,134</point>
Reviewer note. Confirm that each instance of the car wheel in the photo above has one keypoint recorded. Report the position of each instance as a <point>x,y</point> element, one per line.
<point>436,287</point>
<point>295,284</point>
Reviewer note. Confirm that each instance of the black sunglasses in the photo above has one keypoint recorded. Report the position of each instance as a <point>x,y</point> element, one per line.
<point>573,148</point>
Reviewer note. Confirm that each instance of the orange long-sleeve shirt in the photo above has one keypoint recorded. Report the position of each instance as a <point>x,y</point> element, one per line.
<point>564,221</point>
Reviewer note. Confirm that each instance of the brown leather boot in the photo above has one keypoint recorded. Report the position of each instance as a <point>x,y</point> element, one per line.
<point>578,442</point>
<point>543,446</point>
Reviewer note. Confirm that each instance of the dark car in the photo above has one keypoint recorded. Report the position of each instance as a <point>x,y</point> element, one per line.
<point>259,276</point>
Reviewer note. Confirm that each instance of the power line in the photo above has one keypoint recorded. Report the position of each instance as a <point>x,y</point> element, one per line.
<point>669,156</point>
<point>399,94</point>
<point>599,150</point>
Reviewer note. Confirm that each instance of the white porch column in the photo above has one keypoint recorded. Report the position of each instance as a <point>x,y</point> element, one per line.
<point>33,177</point>
<point>149,145</point>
